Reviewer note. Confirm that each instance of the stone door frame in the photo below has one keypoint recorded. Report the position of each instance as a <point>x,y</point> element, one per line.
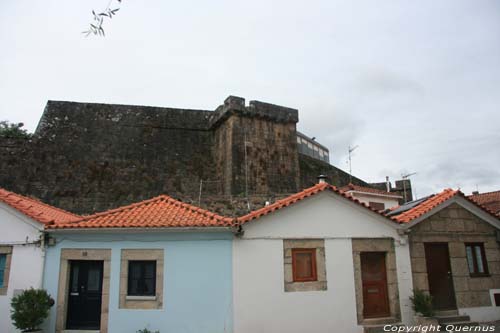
<point>63,287</point>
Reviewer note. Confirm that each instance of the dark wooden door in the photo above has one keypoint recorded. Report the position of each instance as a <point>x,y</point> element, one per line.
<point>439,276</point>
<point>85,295</point>
<point>374,277</point>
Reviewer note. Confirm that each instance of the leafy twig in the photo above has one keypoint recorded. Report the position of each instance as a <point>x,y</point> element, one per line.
<point>98,19</point>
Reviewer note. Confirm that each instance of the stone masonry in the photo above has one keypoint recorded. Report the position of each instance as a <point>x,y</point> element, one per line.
<point>456,226</point>
<point>88,157</point>
<point>385,245</point>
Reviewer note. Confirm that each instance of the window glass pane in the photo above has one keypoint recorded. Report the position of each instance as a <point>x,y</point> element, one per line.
<point>470,260</point>
<point>3,262</point>
<point>74,279</point>
<point>148,287</point>
<point>94,279</point>
<point>303,262</point>
<point>134,270</point>
<point>142,278</point>
<point>149,270</point>
<point>479,259</point>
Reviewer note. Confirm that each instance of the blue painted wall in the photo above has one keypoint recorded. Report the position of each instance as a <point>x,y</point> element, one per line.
<point>197,280</point>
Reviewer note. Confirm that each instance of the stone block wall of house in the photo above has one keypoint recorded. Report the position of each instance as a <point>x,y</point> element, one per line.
<point>456,226</point>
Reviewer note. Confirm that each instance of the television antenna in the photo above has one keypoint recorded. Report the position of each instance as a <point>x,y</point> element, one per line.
<point>405,177</point>
<point>351,149</point>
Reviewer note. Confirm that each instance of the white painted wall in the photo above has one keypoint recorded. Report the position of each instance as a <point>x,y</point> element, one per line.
<point>26,262</point>
<point>260,302</point>
<point>366,198</point>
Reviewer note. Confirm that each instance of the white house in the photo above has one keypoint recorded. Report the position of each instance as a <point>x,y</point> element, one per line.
<point>319,261</point>
<point>22,221</point>
<point>375,198</point>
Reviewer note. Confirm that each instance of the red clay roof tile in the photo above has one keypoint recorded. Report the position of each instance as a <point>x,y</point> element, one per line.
<point>491,200</point>
<point>159,212</point>
<point>35,209</point>
<point>432,202</point>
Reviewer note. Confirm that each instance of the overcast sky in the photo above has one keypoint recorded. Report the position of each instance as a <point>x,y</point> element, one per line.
<point>416,84</point>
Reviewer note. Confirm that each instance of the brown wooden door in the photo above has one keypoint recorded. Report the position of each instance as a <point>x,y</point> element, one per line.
<point>439,275</point>
<point>374,276</point>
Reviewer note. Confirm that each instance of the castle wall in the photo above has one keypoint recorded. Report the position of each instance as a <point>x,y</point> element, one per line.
<point>88,157</point>
<point>92,157</point>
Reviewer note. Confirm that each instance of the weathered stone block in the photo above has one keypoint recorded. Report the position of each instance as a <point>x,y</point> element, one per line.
<point>494,267</point>
<point>303,243</point>
<point>461,283</point>
<point>420,281</point>
<point>417,250</point>
<point>469,226</point>
<point>373,245</point>
<point>438,225</point>
<point>459,267</point>
<point>492,254</point>
<point>456,249</point>
<point>456,225</point>
<point>480,283</point>
<point>306,286</point>
<point>418,265</point>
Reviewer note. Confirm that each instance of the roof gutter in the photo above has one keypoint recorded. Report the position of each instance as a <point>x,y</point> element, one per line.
<point>145,230</point>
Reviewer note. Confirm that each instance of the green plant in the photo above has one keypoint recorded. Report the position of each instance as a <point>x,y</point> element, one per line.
<point>9,130</point>
<point>422,303</point>
<point>30,308</point>
<point>145,330</point>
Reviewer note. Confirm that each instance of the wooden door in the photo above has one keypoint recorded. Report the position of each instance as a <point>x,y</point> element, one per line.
<point>374,277</point>
<point>439,276</point>
<point>85,295</point>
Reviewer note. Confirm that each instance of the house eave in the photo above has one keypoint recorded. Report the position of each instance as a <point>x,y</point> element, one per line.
<point>143,230</point>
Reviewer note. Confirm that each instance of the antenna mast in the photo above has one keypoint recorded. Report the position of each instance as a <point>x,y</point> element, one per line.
<point>405,177</point>
<point>351,149</point>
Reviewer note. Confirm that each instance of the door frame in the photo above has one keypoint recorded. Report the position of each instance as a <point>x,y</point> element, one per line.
<point>383,255</point>
<point>452,284</point>
<point>103,255</point>
<point>83,269</point>
<point>386,245</point>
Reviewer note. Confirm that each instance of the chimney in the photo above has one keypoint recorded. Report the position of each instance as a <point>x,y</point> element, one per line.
<point>387,184</point>
<point>322,179</point>
<point>475,192</point>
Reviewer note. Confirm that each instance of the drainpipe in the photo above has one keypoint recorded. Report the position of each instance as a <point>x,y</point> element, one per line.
<point>42,246</point>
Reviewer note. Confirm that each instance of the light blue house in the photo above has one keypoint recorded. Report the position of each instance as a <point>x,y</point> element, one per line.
<point>159,264</point>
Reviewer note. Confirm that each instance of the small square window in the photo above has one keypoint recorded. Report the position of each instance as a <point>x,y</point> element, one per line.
<point>476,259</point>
<point>141,278</point>
<point>304,265</point>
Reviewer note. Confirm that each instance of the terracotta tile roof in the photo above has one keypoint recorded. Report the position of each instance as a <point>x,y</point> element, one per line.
<point>159,212</point>
<point>357,188</point>
<point>491,200</point>
<point>35,209</point>
<point>431,203</point>
<point>300,196</point>
<point>425,206</point>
